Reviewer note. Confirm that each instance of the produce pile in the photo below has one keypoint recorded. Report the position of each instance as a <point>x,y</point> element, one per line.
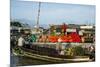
<point>53,37</point>
<point>72,37</point>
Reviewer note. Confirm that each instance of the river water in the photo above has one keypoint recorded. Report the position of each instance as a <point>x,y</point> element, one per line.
<point>25,61</point>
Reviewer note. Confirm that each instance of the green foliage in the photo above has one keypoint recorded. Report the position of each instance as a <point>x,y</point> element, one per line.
<point>18,50</point>
<point>79,51</point>
<point>70,51</point>
<point>16,23</point>
<point>75,51</point>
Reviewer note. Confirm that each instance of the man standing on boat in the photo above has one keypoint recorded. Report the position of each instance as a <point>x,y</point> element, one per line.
<point>21,41</point>
<point>59,47</point>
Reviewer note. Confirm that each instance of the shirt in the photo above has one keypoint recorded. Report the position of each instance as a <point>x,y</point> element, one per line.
<point>20,41</point>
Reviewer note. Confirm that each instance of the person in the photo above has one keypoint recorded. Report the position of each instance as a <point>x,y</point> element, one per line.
<point>21,41</point>
<point>58,46</point>
<point>33,38</point>
<point>92,53</point>
<point>19,45</point>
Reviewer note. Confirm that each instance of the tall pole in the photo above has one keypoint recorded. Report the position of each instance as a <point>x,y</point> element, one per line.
<point>38,17</point>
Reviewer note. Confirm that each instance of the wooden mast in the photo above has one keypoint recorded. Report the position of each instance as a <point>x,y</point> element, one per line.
<point>38,17</point>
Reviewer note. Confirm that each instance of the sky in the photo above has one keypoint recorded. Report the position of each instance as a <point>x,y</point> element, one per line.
<point>52,13</point>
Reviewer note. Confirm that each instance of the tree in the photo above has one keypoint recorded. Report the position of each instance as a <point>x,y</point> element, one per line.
<point>15,23</point>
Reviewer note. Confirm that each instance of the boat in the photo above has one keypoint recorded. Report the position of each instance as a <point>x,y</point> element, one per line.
<point>47,54</point>
<point>46,51</point>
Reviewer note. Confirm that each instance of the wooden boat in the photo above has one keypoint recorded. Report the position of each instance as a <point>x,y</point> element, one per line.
<point>48,54</point>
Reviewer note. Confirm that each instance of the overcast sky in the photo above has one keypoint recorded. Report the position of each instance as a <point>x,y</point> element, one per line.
<point>53,13</point>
